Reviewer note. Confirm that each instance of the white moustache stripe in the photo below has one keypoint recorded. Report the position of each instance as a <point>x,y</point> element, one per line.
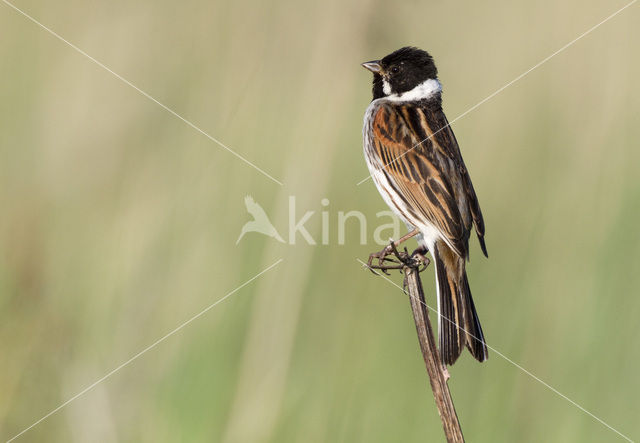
<point>386,87</point>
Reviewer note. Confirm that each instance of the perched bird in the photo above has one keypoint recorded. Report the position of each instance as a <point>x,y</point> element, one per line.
<point>260,222</point>
<point>415,162</point>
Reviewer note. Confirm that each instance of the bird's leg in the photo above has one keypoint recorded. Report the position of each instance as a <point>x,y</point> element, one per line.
<point>407,236</point>
<point>391,248</point>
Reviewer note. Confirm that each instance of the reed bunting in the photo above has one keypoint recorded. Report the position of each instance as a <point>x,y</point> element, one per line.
<point>415,162</point>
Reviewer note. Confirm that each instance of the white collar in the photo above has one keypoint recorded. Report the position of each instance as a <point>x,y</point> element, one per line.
<point>424,90</point>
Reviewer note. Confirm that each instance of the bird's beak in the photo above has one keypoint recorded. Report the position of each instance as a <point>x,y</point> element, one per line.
<point>373,66</point>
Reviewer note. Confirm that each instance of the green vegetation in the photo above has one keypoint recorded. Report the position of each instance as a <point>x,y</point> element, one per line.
<point>119,222</point>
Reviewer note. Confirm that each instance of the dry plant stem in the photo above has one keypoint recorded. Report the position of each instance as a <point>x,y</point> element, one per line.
<point>438,374</point>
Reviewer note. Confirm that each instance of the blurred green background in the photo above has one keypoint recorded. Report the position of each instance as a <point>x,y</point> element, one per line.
<point>119,222</point>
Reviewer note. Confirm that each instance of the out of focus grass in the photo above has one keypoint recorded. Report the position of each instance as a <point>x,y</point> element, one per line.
<point>119,222</point>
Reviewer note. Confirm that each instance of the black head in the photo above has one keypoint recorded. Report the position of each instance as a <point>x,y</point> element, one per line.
<point>401,71</point>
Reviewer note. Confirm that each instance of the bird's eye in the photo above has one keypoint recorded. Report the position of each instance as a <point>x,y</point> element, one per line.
<point>395,70</point>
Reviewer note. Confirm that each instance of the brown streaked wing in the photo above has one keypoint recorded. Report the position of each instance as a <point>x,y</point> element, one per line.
<point>417,175</point>
<point>446,141</point>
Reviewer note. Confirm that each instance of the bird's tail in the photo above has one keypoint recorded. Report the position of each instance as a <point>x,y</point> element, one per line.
<point>458,323</point>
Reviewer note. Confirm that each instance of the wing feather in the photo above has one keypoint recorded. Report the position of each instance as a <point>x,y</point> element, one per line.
<point>431,177</point>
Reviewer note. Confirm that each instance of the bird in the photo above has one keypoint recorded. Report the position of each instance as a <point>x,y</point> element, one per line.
<point>415,162</point>
<point>260,222</point>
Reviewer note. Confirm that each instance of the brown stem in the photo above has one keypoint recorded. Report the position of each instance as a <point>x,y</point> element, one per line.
<point>438,374</point>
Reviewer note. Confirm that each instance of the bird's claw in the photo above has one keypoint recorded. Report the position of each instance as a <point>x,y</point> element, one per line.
<point>382,257</point>
<point>420,260</point>
<point>400,259</point>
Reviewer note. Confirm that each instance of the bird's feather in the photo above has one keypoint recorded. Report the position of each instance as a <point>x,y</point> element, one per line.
<point>420,155</point>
